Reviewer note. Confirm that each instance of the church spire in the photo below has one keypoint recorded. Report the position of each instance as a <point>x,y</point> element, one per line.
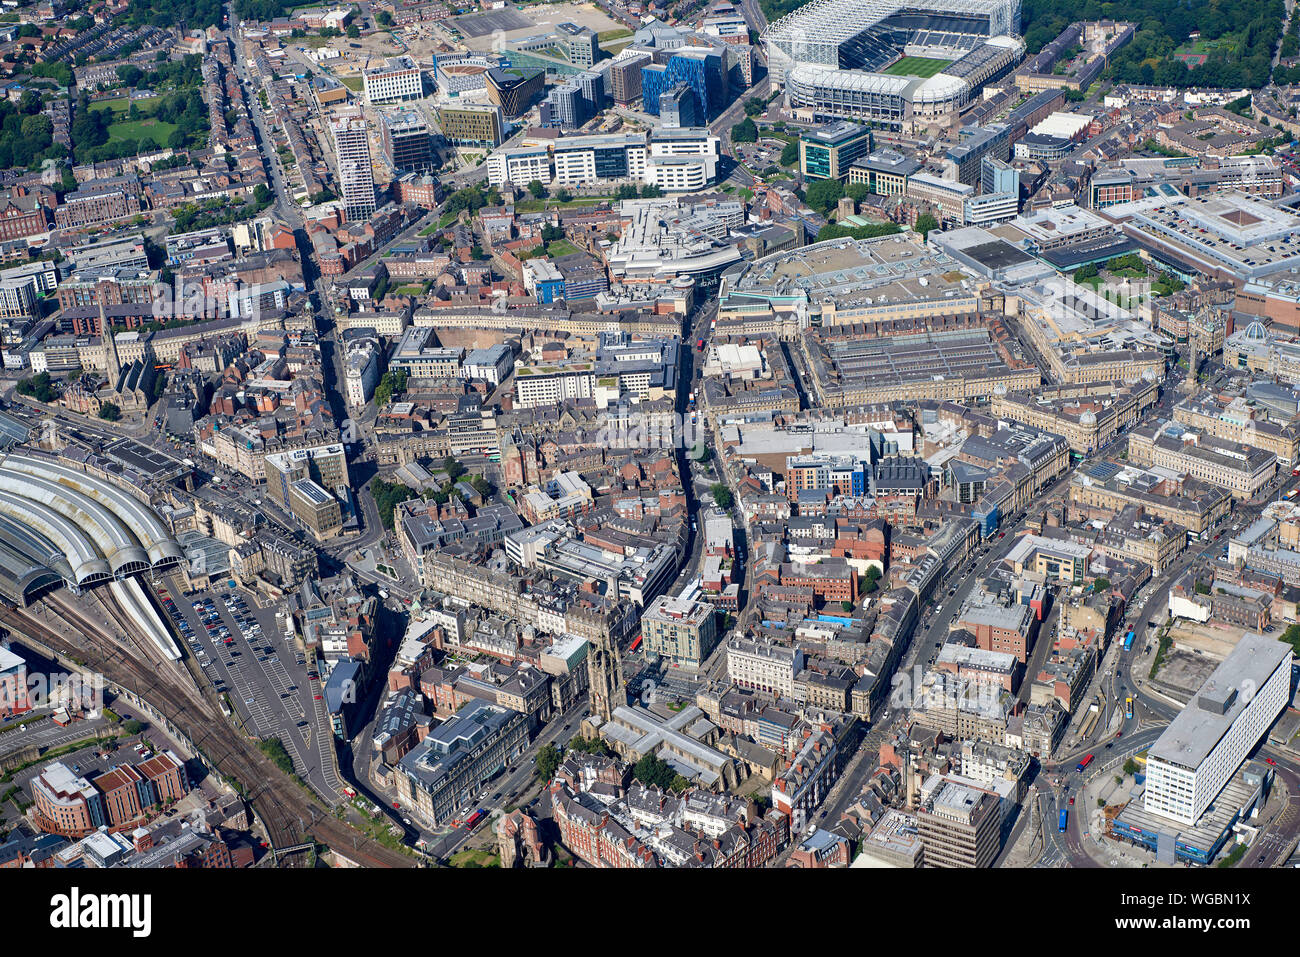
<point>111,359</point>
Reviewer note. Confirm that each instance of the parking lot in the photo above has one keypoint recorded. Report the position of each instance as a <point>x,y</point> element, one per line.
<point>43,733</point>
<point>265,678</point>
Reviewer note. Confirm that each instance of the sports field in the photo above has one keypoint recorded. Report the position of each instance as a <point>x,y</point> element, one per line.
<point>916,66</point>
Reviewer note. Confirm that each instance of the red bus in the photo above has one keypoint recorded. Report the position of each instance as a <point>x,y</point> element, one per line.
<point>636,643</point>
<point>1082,765</point>
<point>473,819</point>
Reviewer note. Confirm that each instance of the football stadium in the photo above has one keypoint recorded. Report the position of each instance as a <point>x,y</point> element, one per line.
<point>895,65</point>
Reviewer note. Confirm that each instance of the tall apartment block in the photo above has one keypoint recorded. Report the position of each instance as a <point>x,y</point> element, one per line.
<point>625,76</point>
<point>356,176</point>
<point>570,107</point>
<point>592,84</point>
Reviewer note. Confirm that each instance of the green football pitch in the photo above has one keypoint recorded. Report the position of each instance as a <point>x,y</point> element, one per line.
<point>917,66</point>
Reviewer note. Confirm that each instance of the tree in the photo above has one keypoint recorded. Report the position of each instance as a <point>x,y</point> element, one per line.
<point>354,32</point>
<point>387,496</point>
<point>754,106</point>
<point>548,762</point>
<point>588,745</point>
<point>651,191</point>
<point>563,195</point>
<point>721,494</point>
<point>790,154</point>
<point>654,772</point>
<point>384,18</point>
<point>846,605</point>
<point>824,194</point>
<point>924,223</point>
<point>38,387</point>
<point>537,189</point>
<point>870,231</point>
<point>744,132</point>
<point>870,580</point>
<point>110,412</point>
<point>392,383</point>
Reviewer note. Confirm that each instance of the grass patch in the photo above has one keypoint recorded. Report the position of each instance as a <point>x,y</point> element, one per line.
<point>122,103</point>
<point>917,66</point>
<point>541,205</point>
<point>156,130</point>
<point>409,290</point>
<point>561,247</point>
<point>273,748</point>
<point>470,859</point>
<point>1165,643</point>
<point>132,130</point>
<point>613,35</point>
<point>353,83</point>
<point>1236,854</point>
<point>430,230</point>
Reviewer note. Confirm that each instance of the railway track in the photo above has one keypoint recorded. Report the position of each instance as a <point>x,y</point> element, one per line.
<point>285,809</point>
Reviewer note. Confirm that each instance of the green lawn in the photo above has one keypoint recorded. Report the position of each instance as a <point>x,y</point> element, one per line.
<point>538,205</point>
<point>121,104</point>
<point>917,66</point>
<point>156,130</point>
<point>1206,47</point>
<point>123,129</point>
<point>353,83</point>
<point>415,290</point>
<point>561,247</point>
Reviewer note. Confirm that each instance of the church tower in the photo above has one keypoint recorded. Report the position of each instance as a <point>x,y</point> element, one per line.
<point>605,676</point>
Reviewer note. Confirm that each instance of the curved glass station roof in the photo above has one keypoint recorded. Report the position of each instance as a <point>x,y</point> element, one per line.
<point>59,524</point>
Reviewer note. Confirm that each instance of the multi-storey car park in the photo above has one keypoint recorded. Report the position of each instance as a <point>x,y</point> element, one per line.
<point>846,59</point>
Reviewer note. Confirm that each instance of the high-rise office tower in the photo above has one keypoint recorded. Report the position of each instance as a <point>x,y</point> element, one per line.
<point>406,140</point>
